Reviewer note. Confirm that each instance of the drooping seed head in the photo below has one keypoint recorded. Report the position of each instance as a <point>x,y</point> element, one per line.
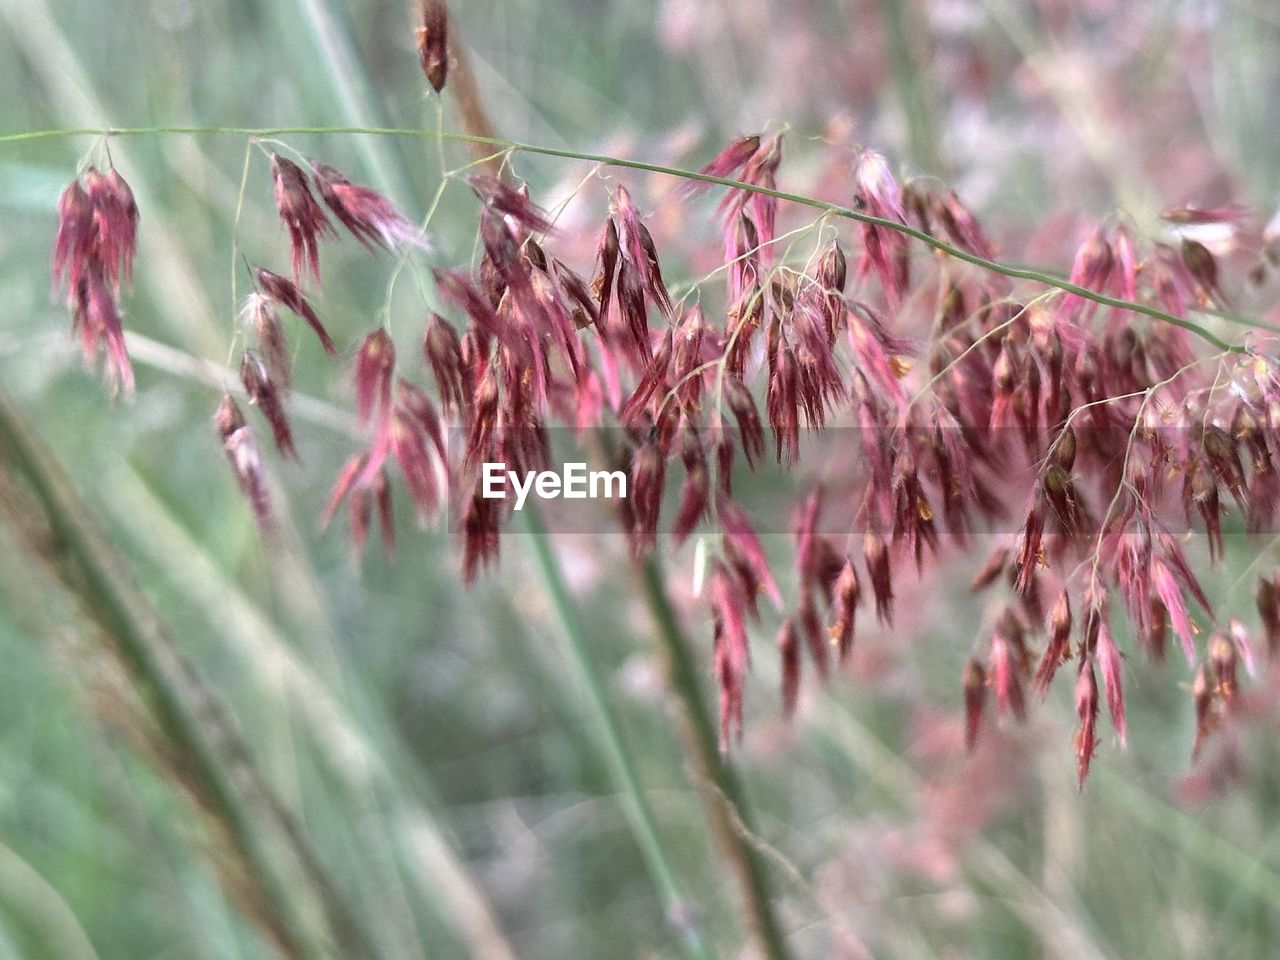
<point>876,554</point>
<point>374,367</point>
<point>95,316</point>
<point>74,245</point>
<point>302,215</point>
<point>1109,662</point>
<point>848,593</point>
<point>280,290</point>
<point>263,394</point>
<point>115,224</point>
<point>1058,650</point>
<point>433,43</point>
<point>975,698</point>
<point>371,217</point>
<point>1086,739</point>
<point>246,463</point>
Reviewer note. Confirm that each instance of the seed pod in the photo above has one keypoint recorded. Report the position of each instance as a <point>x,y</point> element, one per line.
<point>975,698</point>
<point>433,46</point>
<point>246,463</point>
<point>1086,739</point>
<point>789,650</point>
<point>876,554</point>
<point>375,364</point>
<point>263,394</point>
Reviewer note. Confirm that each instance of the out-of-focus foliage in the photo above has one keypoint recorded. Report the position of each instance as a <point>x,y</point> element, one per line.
<point>432,743</point>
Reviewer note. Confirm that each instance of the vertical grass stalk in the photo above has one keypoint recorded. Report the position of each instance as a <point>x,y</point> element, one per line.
<point>608,733</point>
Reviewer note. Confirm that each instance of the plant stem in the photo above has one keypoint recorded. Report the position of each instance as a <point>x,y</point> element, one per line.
<point>609,734</point>
<point>834,209</point>
<point>722,794</point>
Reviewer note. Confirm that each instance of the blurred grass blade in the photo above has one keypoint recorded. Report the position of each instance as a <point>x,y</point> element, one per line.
<point>369,768</point>
<point>608,735</point>
<point>261,855</point>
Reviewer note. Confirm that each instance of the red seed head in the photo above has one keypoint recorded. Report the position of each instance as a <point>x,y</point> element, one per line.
<point>301,213</point>
<point>246,463</point>
<point>789,651</point>
<point>285,292</point>
<point>975,698</point>
<point>375,365</point>
<point>371,217</point>
<point>876,554</point>
<point>1109,662</point>
<point>743,408</point>
<point>73,247</point>
<point>115,224</point>
<point>443,352</point>
<point>263,394</point>
<point>1086,739</point>
<point>433,45</point>
<point>695,501</point>
<point>648,477</point>
<point>259,315</point>
<point>848,592</point>
<point>95,316</point>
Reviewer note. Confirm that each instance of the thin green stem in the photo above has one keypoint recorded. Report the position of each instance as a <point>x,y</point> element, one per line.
<point>609,733</point>
<point>722,794</point>
<point>994,266</point>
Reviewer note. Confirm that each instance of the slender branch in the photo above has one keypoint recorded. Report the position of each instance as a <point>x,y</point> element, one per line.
<point>609,734</point>
<point>721,792</point>
<point>835,209</point>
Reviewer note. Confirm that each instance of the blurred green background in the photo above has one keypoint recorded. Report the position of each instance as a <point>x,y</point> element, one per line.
<point>435,744</point>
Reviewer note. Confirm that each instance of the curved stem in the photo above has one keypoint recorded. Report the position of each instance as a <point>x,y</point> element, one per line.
<point>994,266</point>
